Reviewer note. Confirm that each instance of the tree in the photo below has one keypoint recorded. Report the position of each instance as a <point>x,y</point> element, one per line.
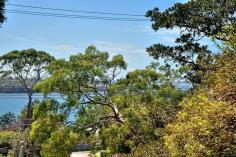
<point>195,19</point>
<point>222,80</point>
<point>148,100</point>
<point>6,120</point>
<point>61,144</point>
<point>28,67</point>
<point>205,125</point>
<point>2,17</point>
<point>84,80</point>
<point>50,132</point>
<point>121,113</point>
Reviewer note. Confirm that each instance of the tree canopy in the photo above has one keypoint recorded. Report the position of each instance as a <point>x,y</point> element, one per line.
<point>203,128</point>
<point>195,19</point>
<point>86,77</point>
<point>26,66</point>
<point>205,125</point>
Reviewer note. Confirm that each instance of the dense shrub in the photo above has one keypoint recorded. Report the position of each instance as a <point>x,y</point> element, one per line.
<point>7,138</point>
<point>203,127</point>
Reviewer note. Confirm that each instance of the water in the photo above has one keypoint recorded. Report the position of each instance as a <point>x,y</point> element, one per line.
<point>14,102</point>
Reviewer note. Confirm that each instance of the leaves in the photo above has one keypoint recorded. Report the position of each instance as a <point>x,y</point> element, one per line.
<point>205,126</point>
<point>28,67</point>
<point>195,20</point>
<point>60,144</point>
<point>2,17</point>
<point>201,128</point>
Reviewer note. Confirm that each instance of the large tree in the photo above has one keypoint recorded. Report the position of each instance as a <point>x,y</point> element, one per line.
<point>27,67</point>
<point>85,80</point>
<point>2,17</point>
<point>196,19</point>
<point>205,126</point>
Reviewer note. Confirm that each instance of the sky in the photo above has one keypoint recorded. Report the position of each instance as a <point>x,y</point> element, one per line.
<point>63,37</point>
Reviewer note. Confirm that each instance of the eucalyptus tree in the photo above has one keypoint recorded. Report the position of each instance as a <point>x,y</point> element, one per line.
<point>84,81</point>
<point>28,67</point>
<point>195,19</point>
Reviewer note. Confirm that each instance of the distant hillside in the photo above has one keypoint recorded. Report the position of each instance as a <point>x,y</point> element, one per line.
<point>11,86</point>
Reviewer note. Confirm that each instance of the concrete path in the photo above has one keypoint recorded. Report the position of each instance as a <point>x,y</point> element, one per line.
<point>80,154</point>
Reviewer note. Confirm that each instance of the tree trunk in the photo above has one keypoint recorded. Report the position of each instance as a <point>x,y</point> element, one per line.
<point>117,114</point>
<point>29,107</point>
<point>28,120</point>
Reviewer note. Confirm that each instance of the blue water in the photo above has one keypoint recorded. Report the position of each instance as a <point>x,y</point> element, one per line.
<point>14,102</point>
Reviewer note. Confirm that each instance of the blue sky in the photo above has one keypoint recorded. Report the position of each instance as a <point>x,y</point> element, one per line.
<point>62,36</point>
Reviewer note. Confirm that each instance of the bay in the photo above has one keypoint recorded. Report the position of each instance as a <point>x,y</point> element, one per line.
<point>15,102</point>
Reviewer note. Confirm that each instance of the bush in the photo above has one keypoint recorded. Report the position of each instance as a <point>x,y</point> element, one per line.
<point>203,128</point>
<point>7,138</point>
<point>156,149</point>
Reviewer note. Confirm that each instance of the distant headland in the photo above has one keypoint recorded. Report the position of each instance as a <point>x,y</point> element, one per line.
<point>11,86</point>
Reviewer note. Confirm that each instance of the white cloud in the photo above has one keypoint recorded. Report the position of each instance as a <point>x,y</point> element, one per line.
<point>170,32</point>
<point>119,48</point>
<point>64,47</point>
<point>145,29</point>
<point>168,40</point>
<point>148,30</point>
<point>25,38</point>
<point>136,57</point>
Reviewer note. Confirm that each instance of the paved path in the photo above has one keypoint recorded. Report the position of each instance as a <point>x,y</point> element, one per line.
<point>80,154</point>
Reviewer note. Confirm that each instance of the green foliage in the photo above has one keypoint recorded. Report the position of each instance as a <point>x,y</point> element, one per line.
<point>48,119</point>
<point>148,101</point>
<point>222,81</point>
<point>2,17</point>
<point>203,127</point>
<point>25,61</point>
<point>27,67</point>
<point>122,114</point>
<point>196,16</point>
<point>195,19</point>
<point>105,153</point>
<point>6,120</point>
<point>155,149</point>
<point>80,71</point>
<point>7,138</point>
<point>230,35</point>
<point>49,131</point>
<point>85,80</point>
<point>60,144</point>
